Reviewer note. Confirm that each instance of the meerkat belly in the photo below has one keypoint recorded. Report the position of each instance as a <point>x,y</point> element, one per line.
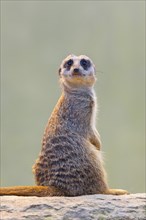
<point>65,162</point>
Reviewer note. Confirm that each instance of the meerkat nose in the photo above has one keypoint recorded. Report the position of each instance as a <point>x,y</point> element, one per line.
<point>76,70</point>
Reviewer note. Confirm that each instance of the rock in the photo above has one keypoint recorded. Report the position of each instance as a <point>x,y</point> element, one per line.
<point>91,207</point>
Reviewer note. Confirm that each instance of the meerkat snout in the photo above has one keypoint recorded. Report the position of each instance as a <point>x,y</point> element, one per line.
<point>76,70</point>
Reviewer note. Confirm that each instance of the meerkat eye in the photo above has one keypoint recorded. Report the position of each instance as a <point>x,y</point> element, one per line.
<point>68,64</point>
<point>85,64</point>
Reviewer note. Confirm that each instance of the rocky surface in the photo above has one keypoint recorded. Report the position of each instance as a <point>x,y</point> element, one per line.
<point>127,207</point>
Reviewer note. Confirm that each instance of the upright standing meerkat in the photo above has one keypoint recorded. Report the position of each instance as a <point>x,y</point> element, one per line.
<point>70,162</point>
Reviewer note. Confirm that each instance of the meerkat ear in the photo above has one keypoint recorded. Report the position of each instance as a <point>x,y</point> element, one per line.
<point>59,71</point>
<point>95,69</point>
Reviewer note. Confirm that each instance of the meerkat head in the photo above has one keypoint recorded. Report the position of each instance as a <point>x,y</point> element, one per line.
<point>77,71</point>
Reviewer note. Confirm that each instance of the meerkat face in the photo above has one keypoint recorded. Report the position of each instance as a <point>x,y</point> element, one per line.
<point>77,71</point>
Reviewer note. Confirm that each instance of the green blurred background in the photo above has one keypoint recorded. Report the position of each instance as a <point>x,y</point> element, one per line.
<point>36,36</point>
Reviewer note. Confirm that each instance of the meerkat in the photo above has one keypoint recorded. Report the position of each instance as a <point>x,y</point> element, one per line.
<point>70,162</point>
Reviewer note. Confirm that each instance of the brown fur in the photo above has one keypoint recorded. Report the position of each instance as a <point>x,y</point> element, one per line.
<point>70,162</point>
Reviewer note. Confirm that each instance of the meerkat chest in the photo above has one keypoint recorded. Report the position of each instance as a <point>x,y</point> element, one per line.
<point>78,113</point>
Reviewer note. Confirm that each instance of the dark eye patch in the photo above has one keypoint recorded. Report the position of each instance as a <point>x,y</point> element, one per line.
<point>85,63</point>
<point>68,64</point>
